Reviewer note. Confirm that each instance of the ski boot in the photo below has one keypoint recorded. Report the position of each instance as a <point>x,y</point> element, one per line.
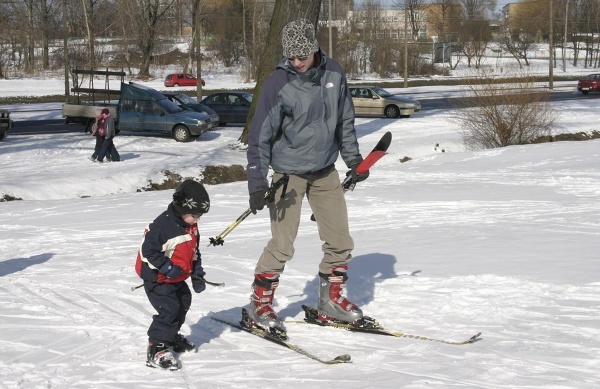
<point>181,344</point>
<point>260,313</point>
<point>160,354</point>
<point>332,304</point>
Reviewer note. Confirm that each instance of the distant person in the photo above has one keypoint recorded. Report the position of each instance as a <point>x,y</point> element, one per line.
<point>107,124</point>
<point>303,121</point>
<point>169,254</point>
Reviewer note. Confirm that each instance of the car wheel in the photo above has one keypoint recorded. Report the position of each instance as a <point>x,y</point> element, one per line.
<point>391,111</point>
<point>222,124</point>
<point>2,135</point>
<point>176,85</point>
<point>181,134</point>
<point>585,92</point>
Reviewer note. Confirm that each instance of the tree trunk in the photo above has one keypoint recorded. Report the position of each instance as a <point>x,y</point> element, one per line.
<point>283,13</point>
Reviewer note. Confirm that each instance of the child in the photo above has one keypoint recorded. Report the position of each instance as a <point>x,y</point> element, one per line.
<point>169,254</point>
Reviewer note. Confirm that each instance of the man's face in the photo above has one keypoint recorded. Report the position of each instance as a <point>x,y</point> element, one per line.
<point>303,64</point>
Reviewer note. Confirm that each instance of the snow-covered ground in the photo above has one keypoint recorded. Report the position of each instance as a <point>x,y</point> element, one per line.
<point>451,243</point>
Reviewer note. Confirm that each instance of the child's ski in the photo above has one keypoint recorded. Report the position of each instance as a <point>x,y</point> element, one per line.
<point>344,358</point>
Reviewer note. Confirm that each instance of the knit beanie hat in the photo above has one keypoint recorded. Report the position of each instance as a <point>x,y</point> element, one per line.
<point>298,39</point>
<point>190,197</point>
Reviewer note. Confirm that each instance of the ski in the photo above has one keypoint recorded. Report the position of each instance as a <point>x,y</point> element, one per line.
<point>375,155</point>
<point>344,358</point>
<point>372,327</point>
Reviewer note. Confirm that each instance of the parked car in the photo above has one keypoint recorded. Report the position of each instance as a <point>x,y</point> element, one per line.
<point>5,123</point>
<point>232,106</point>
<point>182,79</point>
<point>145,109</point>
<point>191,104</point>
<point>589,84</point>
<point>373,100</point>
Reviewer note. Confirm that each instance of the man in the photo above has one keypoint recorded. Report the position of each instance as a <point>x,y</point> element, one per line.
<point>304,119</point>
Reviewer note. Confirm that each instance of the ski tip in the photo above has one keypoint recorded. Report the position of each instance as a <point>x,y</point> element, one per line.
<point>475,337</point>
<point>344,358</point>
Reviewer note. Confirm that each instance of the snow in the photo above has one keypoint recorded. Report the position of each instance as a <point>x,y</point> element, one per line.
<point>448,244</point>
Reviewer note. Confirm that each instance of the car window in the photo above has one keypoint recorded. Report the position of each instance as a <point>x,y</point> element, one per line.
<point>185,99</point>
<point>365,93</point>
<point>127,105</point>
<point>382,92</point>
<point>156,109</point>
<point>189,76</point>
<point>353,92</point>
<point>169,106</point>
<point>216,99</point>
<point>144,106</point>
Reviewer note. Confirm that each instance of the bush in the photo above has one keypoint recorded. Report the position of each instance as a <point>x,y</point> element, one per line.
<point>494,113</point>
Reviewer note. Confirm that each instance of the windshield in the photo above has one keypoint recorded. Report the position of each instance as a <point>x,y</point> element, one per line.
<point>186,99</point>
<point>169,106</point>
<point>382,92</point>
<point>248,96</point>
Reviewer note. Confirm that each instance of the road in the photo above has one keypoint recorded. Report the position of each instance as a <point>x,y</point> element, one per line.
<point>49,119</point>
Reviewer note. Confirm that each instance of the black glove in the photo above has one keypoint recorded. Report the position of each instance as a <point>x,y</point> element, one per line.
<point>198,284</point>
<point>171,271</point>
<point>257,201</point>
<point>355,176</point>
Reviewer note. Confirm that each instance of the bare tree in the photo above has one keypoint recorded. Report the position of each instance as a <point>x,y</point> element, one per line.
<point>283,13</point>
<point>493,114</point>
<point>415,9</point>
<point>142,20</point>
<point>442,18</point>
<point>477,8</point>
<point>518,43</point>
<point>475,35</point>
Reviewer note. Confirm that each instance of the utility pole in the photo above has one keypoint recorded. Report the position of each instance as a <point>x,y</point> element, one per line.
<point>66,49</point>
<point>198,37</point>
<point>565,37</point>
<point>330,39</point>
<point>551,56</point>
<point>405,45</point>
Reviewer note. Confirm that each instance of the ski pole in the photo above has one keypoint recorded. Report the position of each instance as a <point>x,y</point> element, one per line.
<point>269,196</point>
<point>193,276</point>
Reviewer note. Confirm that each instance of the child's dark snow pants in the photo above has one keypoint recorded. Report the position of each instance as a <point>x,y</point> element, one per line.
<point>171,301</point>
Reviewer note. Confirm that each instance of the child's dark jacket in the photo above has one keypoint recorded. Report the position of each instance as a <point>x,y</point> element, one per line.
<point>168,237</point>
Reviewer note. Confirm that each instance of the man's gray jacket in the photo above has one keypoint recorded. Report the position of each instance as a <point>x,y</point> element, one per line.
<point>301,123</point>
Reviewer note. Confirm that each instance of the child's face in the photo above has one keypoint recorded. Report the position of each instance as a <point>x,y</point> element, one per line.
<point>191,218</point>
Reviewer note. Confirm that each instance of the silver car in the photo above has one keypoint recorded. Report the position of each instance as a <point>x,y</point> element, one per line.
<point>373,100</point>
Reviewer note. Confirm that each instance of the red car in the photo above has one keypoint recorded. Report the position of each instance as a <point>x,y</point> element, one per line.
<point>181,79</point>
<point>589,84</point>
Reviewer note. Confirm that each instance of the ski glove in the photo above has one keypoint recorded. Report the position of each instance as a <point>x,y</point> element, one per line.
<point>257,201</point>
<point>198,284</point>
<point>355,176</point>
<point>171,271</point>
